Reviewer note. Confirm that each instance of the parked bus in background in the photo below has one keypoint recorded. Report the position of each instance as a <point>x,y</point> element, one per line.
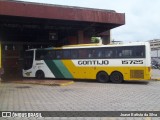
<point>104,63</point>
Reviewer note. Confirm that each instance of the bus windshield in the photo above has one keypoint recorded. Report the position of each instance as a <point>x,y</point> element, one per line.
<point>28,60</point>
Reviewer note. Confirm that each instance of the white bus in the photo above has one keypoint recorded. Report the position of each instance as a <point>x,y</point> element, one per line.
<point>115,63</point>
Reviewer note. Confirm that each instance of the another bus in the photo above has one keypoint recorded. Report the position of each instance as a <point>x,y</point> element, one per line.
<point>104,63</point>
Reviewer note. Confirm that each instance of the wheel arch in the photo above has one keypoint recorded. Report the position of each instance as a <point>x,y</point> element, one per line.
<point>117,72</point>
<point>39,71</point>
<point>100,71</point>
<point>103,73</point>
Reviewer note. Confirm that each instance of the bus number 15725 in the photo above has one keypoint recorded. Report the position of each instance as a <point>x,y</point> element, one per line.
<point>132,61</point>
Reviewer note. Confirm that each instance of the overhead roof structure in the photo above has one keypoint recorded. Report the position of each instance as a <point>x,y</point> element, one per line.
<point>49,16</point>
<point>26,25</point>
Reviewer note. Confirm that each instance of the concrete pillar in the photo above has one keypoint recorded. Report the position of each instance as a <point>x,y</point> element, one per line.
<point>80,37</point>
<point>106,37</point>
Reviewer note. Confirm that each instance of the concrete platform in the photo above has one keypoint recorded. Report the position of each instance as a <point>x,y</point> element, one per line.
<point>157,79</point>
<point>42,82</point>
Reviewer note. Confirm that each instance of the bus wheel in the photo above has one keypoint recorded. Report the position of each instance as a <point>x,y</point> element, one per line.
<point>39,74</point>
<point>102,77</point>
<point>116,77</point>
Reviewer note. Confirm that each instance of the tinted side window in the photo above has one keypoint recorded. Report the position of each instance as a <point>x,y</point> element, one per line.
<point>83,53</point>
<point>108,53</point>
<point>91,53</point>
<point>139,51</point>
<point>41,54</point>
<point>66,54</point>
<point>45,54</point>
<point>74,54</point>
<point>98,53</point>
<point>28,60</point>
<point>130,52</point>
<point>50,55</point>
<point>125,52</point>
<point>59,54</point>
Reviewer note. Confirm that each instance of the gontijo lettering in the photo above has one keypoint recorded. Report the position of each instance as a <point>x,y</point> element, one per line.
<point>93,62</point>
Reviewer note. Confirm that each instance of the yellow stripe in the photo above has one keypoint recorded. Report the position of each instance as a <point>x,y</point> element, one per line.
<point>90,72</point>
<point>65,84</point>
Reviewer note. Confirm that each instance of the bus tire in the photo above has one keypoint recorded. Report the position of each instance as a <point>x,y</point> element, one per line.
<point>40,74</point>
<point>102,77</point>
<point>116,77</point>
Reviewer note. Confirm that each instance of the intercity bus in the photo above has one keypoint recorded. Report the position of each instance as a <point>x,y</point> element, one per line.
<point>104,63</point>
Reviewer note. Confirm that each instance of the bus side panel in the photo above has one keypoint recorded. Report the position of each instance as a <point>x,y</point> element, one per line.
<point>78,72</point>
<point>89,72</point>
<point>39,65</point>
<point>58,69</point>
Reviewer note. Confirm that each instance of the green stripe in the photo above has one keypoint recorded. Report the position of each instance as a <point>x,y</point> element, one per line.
<point>54,69</point>
<point>63,69</point>
<point>58,69</point>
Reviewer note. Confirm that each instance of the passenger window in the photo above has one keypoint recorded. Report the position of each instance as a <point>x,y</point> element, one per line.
<point>140,52</point>
<point>91,53</point>
<point>83,53</point>
<point>127,53</point>
<point>40,54</point>
<point>50,55</point>
<point>108,54</point>
<point>66,54</point>
<point>59,54</point>
<point>98,53</point>
<point>124,52</point>
<point>74,54</point>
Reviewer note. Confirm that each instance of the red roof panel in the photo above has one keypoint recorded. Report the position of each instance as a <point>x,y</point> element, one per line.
<point>35,10</point>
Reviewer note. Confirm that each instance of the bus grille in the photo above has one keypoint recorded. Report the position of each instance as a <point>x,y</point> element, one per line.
<point>137,74</point>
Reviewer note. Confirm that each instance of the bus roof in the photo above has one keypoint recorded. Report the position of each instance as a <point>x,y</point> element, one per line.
<point>101,45</point>
<point>92,45</point>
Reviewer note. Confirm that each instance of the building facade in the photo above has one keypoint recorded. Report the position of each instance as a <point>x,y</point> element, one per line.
<point>25,25</point>
<point>155,47</point>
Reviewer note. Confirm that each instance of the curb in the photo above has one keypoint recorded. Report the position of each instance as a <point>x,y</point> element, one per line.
<point>49,83</point>
<point>65,84</point>
<point>156,79</point>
